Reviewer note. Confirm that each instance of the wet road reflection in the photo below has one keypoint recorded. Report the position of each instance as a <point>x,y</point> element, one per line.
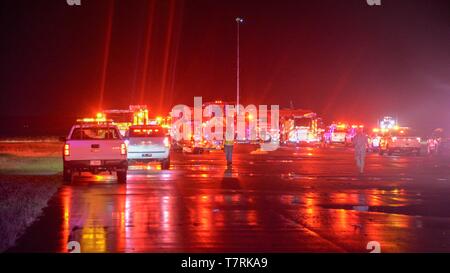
<point>287,200</point>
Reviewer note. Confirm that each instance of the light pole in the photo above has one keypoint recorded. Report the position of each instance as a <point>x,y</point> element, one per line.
<point>238,22</point>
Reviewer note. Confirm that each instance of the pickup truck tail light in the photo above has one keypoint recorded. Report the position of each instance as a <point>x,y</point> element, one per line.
<point>166,141</point>
<point>123,149</point>
<point>66,149</point>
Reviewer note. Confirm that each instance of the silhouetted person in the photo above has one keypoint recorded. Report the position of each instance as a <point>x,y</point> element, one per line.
<point>360,141</point>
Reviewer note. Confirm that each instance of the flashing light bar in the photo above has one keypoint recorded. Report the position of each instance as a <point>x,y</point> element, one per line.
<point>92,120</point>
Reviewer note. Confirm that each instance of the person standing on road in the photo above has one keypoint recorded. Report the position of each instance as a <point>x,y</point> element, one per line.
<point>360,142</point>
<point>228,147</point>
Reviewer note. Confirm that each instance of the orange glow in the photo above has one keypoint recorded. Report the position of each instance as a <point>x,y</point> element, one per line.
<point>66,199</point>
<point>98,118</point>
<point>93,239</point>
<point>341,126</point>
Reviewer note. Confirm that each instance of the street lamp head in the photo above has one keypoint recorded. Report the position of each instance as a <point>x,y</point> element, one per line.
<point>239,20</point>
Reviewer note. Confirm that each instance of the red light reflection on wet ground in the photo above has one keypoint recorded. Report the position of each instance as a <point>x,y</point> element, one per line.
<point>313,204</point>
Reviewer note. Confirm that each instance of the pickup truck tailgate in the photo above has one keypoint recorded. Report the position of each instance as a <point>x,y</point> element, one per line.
<point>153,144</point>
<point>95,150</point>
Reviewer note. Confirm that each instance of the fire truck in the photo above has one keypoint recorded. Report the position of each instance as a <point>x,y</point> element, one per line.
<point>134,115</point>
<point>300,126</point>
<point>199,141</point>
<point>204,140</point>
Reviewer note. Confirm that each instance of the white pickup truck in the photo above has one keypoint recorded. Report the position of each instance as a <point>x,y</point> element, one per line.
<point>148,143</point>
<point>400,141</point>
<point>95,148</point>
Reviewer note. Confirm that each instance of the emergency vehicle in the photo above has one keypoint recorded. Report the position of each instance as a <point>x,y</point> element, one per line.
<point>336,133</point>
<point>351,133</point>
<point>388,123</point>
<point>375,139</point>
<point>300,127</point>
<point>124,118</point>
<point>201,141</point>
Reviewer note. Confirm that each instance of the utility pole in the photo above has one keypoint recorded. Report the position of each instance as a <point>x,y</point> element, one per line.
<point>238,21</point>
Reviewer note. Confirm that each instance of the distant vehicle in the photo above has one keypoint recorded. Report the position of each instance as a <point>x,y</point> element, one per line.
<point>351,133</point>
<point>148,143</point>
<point>95,146</point>
<point>438,143</point>
<point>336,134</point>
<point>124,118</point>
<point>195,144</point>
<point>374,140</point>
<point>400,140</point>
<point>300,127</point>
<point>388,123</point>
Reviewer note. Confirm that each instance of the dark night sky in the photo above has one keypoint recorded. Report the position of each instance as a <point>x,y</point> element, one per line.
<point>341,58</point>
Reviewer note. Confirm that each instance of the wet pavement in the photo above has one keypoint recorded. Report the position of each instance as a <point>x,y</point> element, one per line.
<point>289,200</point>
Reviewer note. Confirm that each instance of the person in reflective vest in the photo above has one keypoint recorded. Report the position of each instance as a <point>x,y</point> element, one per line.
<point>228,147</point>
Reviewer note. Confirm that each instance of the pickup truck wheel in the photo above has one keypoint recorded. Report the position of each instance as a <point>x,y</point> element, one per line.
<point>67,175</point>
<point>122,177</point>
<point>165,165</point>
